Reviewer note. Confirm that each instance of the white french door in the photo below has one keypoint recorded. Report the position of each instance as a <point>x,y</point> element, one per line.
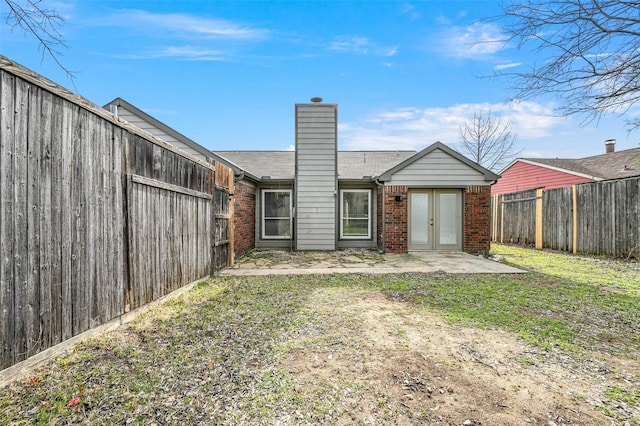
<point>435,219</point>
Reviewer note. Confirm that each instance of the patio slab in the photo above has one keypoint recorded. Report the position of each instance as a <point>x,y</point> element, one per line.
<point>258,263</point>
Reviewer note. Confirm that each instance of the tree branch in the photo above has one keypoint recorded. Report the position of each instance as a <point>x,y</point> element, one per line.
<point>30,17</point>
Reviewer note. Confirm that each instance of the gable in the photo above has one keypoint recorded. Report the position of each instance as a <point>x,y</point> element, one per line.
<point>438,167</point>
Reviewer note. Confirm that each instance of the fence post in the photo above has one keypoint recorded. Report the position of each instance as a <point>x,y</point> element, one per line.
<point>502,219</point>
<point>494,217</point>
<point>213,188</point>
<point>574,200</point>
<point>539,225</point>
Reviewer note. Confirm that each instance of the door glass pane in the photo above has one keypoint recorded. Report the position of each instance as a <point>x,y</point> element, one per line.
<point>419,218</point>
<point>448,219</point>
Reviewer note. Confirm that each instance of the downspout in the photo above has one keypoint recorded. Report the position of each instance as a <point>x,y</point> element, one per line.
<point>383,216</point>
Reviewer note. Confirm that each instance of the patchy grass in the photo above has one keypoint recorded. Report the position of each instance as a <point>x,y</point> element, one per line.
<point>542,310</point>
<point>211,356</point>
<point>578,269</point>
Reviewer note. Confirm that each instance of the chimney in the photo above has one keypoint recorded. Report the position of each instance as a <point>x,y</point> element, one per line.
<point>610,146</point>
<point>316,185</point>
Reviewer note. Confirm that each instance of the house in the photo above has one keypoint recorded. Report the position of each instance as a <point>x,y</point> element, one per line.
<point>319,198</point>
<point>550,173</point>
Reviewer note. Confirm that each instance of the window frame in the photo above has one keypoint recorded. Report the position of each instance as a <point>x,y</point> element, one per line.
<point>263,218</point>
<point>369,193</point>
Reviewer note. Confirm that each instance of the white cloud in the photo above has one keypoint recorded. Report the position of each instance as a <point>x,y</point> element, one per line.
<point>190,53</point>
<point>416,128</point>
<point>361,46</point>
<point>411,11</point>
<point>184,24</point>
<point>477,40</point>
<point>507,66</point>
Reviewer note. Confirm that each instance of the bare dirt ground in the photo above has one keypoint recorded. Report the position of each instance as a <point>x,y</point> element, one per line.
<point>394,364</point>
<point>348,350</point>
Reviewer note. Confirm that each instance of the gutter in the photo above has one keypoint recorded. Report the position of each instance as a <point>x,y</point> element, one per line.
<point>383,233</point>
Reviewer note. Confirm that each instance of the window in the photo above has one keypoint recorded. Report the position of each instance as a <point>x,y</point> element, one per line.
<point>356,213</point>
<point>276,214</point>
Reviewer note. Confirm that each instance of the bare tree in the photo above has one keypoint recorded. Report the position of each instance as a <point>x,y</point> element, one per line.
<point>33,18</point>
<point>589,53</point>
<point>488,140</point>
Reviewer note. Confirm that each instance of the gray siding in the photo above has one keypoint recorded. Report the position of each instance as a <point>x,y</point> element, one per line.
<point>437,169</point>
<point>148,127</point>
<point>316,176</point>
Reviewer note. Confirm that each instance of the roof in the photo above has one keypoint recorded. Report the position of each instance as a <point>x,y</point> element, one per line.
<point>160,125</point>
<point>280,165</point>
<point>614,165</point>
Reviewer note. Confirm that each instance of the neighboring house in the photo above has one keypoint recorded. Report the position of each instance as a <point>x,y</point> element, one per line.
<point>550,173</point>
<point>319,198</point>
<point>141,119</point>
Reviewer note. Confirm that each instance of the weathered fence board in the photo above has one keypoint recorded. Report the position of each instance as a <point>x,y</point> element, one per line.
<point>517,211</point>
<point>20,226</point>
<point>557,219</point>
<point>7,188</point>
<point>221,234</point>
<point>606,216</point>
<point>97,217</point>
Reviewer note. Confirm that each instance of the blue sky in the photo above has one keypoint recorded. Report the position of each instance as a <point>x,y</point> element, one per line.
<point>227,74</point>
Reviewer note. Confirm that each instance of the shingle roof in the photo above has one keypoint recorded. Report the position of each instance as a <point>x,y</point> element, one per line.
<point>281,164</point>
<point>614,165</point>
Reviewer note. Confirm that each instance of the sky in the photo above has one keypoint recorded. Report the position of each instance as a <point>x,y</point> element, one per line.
<point>227,74</point>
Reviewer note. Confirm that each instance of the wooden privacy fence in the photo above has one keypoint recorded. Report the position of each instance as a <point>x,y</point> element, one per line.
<point>593,218</point>
<point>97,217</point>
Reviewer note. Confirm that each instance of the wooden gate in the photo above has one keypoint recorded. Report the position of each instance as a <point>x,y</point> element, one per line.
<point>222,233</point>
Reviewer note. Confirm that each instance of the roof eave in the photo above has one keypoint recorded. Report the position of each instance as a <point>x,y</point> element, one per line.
<point>160,125</point>
<point>279,180</point>
<point>363,179</point>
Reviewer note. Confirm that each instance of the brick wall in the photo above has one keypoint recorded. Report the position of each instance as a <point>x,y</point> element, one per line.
<point>477,201</point>
<point>379,221</point>
<point>244,219</point>
<point>396,215</point>
<point>477,206</point>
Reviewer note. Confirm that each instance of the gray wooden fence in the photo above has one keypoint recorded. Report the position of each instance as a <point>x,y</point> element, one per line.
<point>594,218</point>
<point>97,217</point>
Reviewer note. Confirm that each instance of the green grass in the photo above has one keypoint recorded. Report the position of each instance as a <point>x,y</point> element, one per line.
<point>577,269</point>
<point>211,355</point>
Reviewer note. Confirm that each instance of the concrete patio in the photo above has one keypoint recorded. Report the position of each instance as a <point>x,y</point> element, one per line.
<point>363,261</point>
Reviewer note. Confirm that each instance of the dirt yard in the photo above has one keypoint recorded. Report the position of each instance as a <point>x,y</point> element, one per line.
<point>557,346</point>
<point>398,363</point>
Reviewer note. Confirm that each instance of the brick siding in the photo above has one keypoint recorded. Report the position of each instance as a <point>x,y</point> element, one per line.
<point>396,215</point>
<point>477,199</point>
<point>477,207</point>
<point>244,219</point>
